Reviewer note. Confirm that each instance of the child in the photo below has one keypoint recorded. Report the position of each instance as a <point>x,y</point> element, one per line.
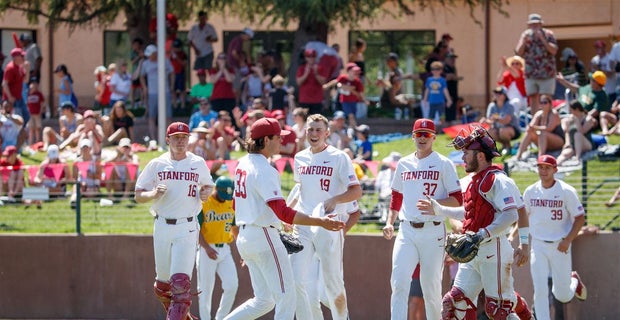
<point>436,92</point>
<point>364,147</point>
<point>278,95</point>
<point>35,106</point>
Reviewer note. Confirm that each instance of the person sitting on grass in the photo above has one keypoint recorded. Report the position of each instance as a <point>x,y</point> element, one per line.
<point>46,175</point>
<point>364,147</point>
<point>577,129</point>
<point>68,122</point>
<point>119,124</point>
<point>120,179</point>
<point>88,168</point>
<point>544,130</point>
<point>11,173</point>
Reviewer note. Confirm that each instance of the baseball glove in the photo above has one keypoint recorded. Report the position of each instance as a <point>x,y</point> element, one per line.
<point>463,247</point>
<point>291,243</point>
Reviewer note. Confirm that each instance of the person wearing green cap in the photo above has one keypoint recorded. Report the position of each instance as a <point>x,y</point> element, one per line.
<point>217,231</point>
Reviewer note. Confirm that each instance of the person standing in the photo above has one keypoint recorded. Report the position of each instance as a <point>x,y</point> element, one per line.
<point>217,231</point>
<point>424,173</point>
<point>259,208</point>
<point>490,201</point>
<point>32,54</point>
<point>452,81</point>
<point>538,47</point>
<point>201,38</point>
<point>327,178</point>
<point>15,73</point>
<point>556,216</point>
<point>120,84</point>
<point>604,62</point>
<point>310,78</point>
<point>65,88</point>
<point>150,89</point>
<point>436,93</point>
<point>176,182</point>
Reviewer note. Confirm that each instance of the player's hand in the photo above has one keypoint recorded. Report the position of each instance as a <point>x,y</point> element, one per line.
<point>388,231</point>
<point>328,222</point>
<point>287,227</point>
<point>426,206</point>
<point>329,205</point>
<point>205,191</point>
<point>522,255</point>
<point>159,191</point>
<point>564,245</point>
<point>211,253</point>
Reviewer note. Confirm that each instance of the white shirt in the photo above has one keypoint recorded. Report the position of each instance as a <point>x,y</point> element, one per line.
<point>552,211</point>
<point>183,180</point>
<point>149,69</point>
<point>199,36</point>
<point>122,83</point>
<point>415,178</point>
<point>256,183</point>
<point>605,64</point>
<point>322,176</point>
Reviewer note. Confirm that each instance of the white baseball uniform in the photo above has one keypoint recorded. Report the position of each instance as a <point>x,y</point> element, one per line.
<point>489,194</point>
<point>322,176</point>
<point>552,212</point>
<point>175,231</point>
<point>256,183</point>
<point>421,237</point>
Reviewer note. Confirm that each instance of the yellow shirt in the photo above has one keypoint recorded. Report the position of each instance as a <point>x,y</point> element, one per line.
<point>217,220</point>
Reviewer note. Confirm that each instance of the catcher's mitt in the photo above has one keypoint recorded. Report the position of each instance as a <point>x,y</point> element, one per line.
<point>463,247</point>
<point>291,243</point>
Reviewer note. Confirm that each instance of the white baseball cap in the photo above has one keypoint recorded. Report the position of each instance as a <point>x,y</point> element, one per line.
<point>124,142</point>
<point>150,49</point>
<point>85,143</point>
<point>52,151</point>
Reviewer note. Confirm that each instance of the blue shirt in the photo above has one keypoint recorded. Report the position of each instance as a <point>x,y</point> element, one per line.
<point>197,117</point>
<point>436,87</point>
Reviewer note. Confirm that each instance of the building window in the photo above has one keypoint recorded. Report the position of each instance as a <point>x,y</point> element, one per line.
<point>412,48</point>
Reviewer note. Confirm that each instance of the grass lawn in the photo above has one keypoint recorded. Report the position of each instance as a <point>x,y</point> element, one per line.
<point>126,217</point>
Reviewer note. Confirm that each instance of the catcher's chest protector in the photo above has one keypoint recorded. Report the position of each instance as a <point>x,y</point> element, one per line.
<point>479,213</point>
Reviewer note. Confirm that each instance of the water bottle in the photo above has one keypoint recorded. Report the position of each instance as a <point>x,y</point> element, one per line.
<point>398,113</point>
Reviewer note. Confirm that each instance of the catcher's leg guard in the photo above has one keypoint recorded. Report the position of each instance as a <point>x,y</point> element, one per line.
<point>163,294</point>
<point>455,302</point>
<point>181,298</point>
<point>496,310</point>
<point>522,309</point>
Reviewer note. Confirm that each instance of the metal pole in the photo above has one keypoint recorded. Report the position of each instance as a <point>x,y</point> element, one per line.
<point>584,188</point>
<point>78,207</point>
<point>161,72</point>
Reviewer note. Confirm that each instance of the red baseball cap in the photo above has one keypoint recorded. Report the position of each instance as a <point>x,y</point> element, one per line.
<point>201,72</point>
<point>424,125</point>
<point>17,52</point>
<point>9,151</point>
<point>266,127</point>
<point>599,44</point>
<point>548,160</point>
<point>310,53</point>
<point>177,128</point>
<point>278,114</point>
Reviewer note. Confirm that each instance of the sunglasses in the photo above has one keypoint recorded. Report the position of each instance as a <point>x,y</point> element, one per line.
<point>435,69</point>
<point>545,102</point>
<point>516,63</point>
<point>422,134</point>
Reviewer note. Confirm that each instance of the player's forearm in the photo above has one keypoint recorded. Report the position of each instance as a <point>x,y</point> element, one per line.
<point>354,192</point>
<point>502,222</point>
<point>451,212</point>
<point>391,217</point>
<point>577,224</point>
<point>143,196</point>
<point>353,218</point>
<point>523,220</point>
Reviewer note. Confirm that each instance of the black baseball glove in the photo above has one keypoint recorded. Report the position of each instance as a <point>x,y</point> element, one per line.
<point>291,243</point>
<point>463,247</point>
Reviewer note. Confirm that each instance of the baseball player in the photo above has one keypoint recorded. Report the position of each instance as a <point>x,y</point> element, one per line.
<point>421,238</point>
<point>259,208</point>
<point>217,230</point>
<point>176,182</point>
<point>556,216</point>
<point>490,208</point>
<point>326,176</point>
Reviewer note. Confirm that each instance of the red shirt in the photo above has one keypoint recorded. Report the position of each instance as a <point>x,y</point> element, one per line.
<point>35,100</point>
<point>222,89</point>
<point>310,91</point>
<point>14,77</point>
<point>176,60</point>
<point>287,139</point>
<point>508,79</point>
<point>359,87</point>
<point>16,166</point>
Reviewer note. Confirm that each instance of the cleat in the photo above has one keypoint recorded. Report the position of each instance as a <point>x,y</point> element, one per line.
<point>581,292</point>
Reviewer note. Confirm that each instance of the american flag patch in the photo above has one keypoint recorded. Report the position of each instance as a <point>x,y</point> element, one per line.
<point>509,200</point>
<point>352,178</point>
<point>580,208</point>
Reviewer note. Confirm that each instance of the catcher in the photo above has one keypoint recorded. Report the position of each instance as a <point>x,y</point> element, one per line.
<point>490,207</point>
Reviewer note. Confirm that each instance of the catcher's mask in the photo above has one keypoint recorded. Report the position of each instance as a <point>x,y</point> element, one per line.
<point>475,138</point>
